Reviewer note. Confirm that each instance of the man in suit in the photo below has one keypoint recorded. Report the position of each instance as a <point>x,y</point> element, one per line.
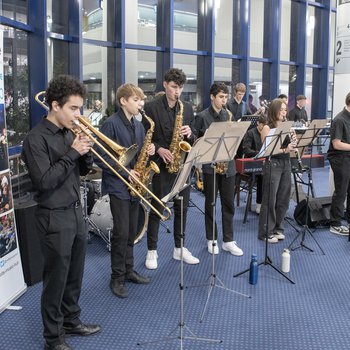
<point>163,110</point>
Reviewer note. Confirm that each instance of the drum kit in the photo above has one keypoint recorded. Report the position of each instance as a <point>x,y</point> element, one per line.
<point>97,213</point>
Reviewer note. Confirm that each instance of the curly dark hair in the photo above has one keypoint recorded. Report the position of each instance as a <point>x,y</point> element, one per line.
<point>61,88</point>
<point>217,88</point>
<point>176,75</point>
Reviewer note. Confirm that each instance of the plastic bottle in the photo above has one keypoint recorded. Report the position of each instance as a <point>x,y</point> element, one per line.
<point>285,266</point>
<point>253,270</point>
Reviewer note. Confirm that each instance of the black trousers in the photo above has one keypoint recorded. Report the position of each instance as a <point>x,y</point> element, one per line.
<point>63,238</point>
<point>259,188</point>
<point>161,186</point>
<point>341,169</point>
<point>125,215</point>
<point>277,180</point>
<point>226,187</point>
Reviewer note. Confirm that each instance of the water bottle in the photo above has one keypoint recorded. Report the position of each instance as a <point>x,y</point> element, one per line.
<point>285,261</point>
<point>253,271</point>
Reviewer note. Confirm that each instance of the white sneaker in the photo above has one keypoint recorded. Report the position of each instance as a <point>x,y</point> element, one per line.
<point>279,235</point>
<point>151,260</point>
<point>233,248</point>
<point>258,208</point>
<point>339,230</point>
<point>187,256</point>
<point>210,247</point>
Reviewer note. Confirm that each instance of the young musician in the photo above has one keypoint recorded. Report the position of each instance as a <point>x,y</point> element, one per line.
<point>276,180</point>
<point>123,128</point>
<point>55,159</point>
<point>237,106</point>
<point>251,147</point>
<point>164,110</point>
<point>339,158</point>
<point>298,113</point>
<point>225,181</point>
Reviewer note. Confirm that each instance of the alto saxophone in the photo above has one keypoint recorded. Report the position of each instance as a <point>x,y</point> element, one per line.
<point>178,147</point>
<point>145,172</point>
<point>222,167</point>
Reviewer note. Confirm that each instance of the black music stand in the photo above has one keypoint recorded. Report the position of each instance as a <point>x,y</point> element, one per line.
<point>272,145</point>
<point>306,140</point>
<point>220,144</point>
<point>181,182</point>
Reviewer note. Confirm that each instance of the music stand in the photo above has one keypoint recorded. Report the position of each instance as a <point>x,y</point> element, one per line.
<point>253,119</point>
<point>220,144</point>
<point>306,140</point>
<point>180,184</point>
<point>271,146</point>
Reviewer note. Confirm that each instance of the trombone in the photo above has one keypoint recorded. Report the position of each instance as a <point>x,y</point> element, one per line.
<point>77,129</point>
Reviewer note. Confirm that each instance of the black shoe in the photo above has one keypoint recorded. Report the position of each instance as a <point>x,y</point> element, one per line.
<point>135,277</point>
<point>61,346</point>
<point>118,289</point>
<point>82,329</point>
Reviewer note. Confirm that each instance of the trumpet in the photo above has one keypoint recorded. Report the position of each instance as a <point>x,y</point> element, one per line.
<point>125,155</point>
<point>77,129</point>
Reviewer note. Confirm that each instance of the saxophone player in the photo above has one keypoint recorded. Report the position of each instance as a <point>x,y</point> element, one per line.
<point>164,111</point>
<point>123,128</point>
<point>225,176</point>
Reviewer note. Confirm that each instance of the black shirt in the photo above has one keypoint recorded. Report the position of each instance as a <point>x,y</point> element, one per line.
<point>252,143</point>
<point>238,109</point>
<point>297,114</point>
<point>340,129</point>
<point>54,166</point>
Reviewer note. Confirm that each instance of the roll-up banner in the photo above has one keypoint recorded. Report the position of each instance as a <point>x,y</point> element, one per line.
<point>12,283</point>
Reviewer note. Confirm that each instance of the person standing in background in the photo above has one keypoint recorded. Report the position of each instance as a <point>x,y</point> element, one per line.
<point>237,106</point>
<point>298,113</point>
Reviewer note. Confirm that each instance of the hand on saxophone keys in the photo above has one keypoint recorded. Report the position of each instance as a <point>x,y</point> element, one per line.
<point>186,131</point>
<point>166,155</point>
<point>133,174</point>
<point>151,149</point>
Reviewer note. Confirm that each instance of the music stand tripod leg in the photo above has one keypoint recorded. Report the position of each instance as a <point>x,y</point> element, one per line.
<point>181,324</point>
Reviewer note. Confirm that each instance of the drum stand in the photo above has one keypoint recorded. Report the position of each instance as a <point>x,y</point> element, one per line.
<point>90,225</point>
<point>182,327</point>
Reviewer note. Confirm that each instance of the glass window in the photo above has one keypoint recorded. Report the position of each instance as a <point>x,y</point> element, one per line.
<point>57,58</point>
<point>57,16</point>
<point>99,77</point>
<point>255,82</point>
<point>285,30</point>
<point>223,26</point>
<point>310,34</point>
<point>188,64</point>
<point>308,91</point>
<point>257,28</point>
<point>185,24</point>
<point>15,9</point>
<point>16,84</point>
<point>287,83</point>
<point>332,39</point>
<point>330,93</point>
<point>141,29</point>
<point>145,75</point>
<point>334,3</point>
<point>223,70</point>
<point>99,19</point>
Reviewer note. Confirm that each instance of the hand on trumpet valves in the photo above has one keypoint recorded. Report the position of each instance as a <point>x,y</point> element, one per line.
<point>165,154</point>
<point>81,144</point>
<point>151,149</point>
<point>186,131</point>
<point>133,174</point>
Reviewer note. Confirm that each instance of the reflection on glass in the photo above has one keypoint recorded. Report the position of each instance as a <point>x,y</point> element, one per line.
<point>145,75</point>
<point>285,30</point>
<point>141,26</point>
<point>16,10</point>
<point>308,90</point>
<point>330,93</point>
<point>16,84</point>
<point>57,16</point>
<point>255,82</point>
<point>223,70</point>
<point>257,28</point>
<point>186,24</point>
<point>57,58</point>
<point>332,39</point>
<point>310,32</point>
<point>287,85</point>
<point>223,26</point>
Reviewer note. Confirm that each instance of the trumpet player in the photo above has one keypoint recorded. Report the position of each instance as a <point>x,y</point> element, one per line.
<point>225,176</point>
<point>55,158</point>
<point>123,128</point>
<point>164,111</point>
<point>276,179</point>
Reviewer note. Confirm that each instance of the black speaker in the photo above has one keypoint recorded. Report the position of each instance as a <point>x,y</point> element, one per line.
<point>319,211</point>
<point>29,242</point>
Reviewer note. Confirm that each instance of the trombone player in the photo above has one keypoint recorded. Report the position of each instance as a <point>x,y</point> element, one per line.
<point>55,159</point>
<point>124,129</point>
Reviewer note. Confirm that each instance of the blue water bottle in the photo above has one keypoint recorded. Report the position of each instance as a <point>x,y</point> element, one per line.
<point>253,270</point>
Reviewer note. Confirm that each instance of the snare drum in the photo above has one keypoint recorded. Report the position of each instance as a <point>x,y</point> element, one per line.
<point>101,215</point>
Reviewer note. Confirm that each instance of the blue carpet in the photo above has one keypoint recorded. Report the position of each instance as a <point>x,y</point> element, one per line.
<point>312,314</point>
